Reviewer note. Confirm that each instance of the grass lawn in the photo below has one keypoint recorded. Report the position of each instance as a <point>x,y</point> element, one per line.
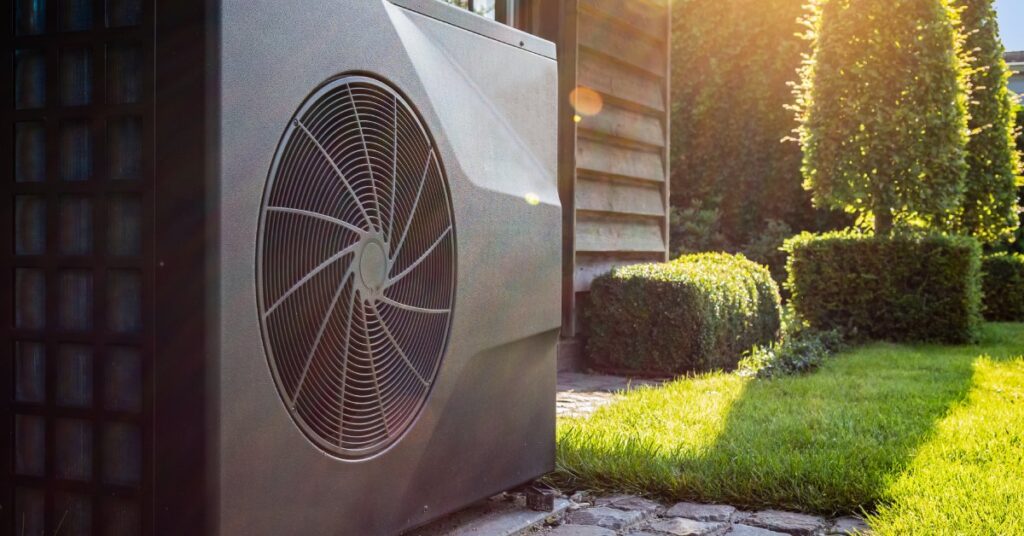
<point>930,439</point>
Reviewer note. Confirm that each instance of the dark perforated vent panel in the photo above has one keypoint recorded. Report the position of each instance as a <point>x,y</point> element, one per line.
<point>356,266</point>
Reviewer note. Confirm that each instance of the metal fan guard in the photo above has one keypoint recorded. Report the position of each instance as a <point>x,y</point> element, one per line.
<point>355,267</point>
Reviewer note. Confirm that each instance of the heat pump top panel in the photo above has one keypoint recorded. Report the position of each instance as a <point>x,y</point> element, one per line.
<point>479,25</point>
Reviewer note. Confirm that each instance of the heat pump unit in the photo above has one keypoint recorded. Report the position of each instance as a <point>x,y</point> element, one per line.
<point>272,267</point>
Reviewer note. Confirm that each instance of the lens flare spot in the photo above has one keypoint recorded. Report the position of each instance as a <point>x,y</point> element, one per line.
<point>532,199</point>
<point>586,101</point>
<point>577,118</point>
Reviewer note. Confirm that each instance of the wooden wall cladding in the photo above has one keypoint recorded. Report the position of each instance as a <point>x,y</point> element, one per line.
<point>620,50</point>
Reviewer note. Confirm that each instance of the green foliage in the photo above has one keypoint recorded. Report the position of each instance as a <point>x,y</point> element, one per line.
<point>989,209</point>
<point>1020,127</point>
<point>732,63</point>
<point>1004,287</point>
<point>1016,244</point>
<point>798,351</point>
<point>882,110</point>
<point>1019,242</point>
<point>695,229</point>
<point>697,313</point>
<point>766,248</point>
<point>931,435</point>
<point>898,288</point>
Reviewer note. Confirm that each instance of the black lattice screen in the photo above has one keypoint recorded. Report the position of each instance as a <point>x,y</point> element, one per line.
<point>76,252</point>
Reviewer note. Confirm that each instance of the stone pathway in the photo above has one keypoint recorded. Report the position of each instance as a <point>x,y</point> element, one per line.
<point>581,394</point>
<point>505,514</point>
<point>635,516</point>
<point>627,515</point>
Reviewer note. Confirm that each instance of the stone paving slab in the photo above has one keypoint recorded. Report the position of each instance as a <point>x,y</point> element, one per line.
<point>848,526</point>
<point>580,530</point>
<point>631,502</point>
<point>578,381</point>
<point>678,526</point>
<point>492,518</point>
<point>747,530</point>
<point>702,512</point>
<point>629,515</point>
<point>573,404</point>
<point>607,517</point>
<point>581,394</point>
<point>787,522</point>
<point>739,516</point>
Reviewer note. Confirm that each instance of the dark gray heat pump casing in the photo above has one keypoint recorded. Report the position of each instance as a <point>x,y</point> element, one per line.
<point>350,270</point>
<point>487,111</point>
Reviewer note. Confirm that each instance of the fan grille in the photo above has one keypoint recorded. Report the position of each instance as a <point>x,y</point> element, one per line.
<point>356,266</point>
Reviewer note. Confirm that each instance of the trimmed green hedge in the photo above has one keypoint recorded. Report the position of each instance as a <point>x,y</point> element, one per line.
<point>697,313</point>
<point>900,288</point>
<point>1004,287</point>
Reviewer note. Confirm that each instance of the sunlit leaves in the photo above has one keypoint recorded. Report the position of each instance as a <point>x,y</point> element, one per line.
<point>989,209</point>
<point>882,110</point>
<point>732,65</point>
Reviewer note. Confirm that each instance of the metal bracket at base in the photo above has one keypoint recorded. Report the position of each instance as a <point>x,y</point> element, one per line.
<point>539,497</point>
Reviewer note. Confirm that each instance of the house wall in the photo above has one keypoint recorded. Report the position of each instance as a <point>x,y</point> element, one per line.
<point>614,158</point>
<point>1017,80</point>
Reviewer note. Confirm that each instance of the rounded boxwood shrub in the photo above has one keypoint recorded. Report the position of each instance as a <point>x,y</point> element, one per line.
<point>1003,285</point>
<point>897,288</point>
<point>697,313</point>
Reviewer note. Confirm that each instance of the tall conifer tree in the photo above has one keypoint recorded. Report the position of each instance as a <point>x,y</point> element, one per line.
<point>882,110</point>
<point>989,210</point>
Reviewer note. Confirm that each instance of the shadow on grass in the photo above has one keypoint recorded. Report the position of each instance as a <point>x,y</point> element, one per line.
<point>968,479</point>
<point>831,442</point>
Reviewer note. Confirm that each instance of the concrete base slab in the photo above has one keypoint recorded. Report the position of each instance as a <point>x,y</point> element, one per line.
<point>491,518</point>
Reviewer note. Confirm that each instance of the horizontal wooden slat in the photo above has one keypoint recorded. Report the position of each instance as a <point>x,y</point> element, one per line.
<point>597,232</point>
<point>620,82</point>
<point>588,267</point>
<point>603,35</point>
<point>647,15</point>
<point>605,159</point>
<point>627,125</point>
<point>602,195</point>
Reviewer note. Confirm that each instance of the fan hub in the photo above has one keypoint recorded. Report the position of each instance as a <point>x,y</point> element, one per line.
<point>373,265</point>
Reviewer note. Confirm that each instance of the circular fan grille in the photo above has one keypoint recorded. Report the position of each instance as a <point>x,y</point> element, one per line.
<point>356,266</point>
